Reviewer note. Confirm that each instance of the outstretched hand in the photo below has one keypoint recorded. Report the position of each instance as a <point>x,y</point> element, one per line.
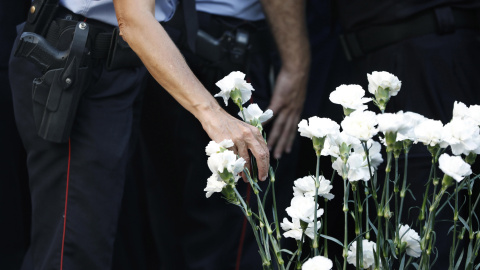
<point>287,105</point>
<point>244,136</point>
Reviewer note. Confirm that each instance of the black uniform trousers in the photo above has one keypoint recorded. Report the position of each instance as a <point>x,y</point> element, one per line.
<point>194,232</point>
<point>76,187</point>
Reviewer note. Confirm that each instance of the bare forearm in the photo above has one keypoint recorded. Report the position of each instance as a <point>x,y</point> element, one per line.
<point>152,44</point>
<point>162,59</point>
<point>288,25</point>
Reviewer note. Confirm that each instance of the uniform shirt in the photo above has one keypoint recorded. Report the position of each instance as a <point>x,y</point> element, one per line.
<point>358,14</point>
<point>250,10</point>
<point>103,10</point>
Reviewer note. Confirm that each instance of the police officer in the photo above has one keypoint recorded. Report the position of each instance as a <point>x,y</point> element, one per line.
<point>433,47</point>
<point>210,234</point>
<point>77,185</point>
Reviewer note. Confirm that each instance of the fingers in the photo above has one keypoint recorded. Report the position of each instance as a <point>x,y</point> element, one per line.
<point>285,141</point>
<point>258,147</point>
<point>242,151</point>
<point>276,132</point>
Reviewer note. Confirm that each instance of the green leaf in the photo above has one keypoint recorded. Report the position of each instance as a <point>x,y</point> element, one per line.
<point>287,251</point>
<point>332,239</point>
<point>457,266</point>
<point>402,263</point>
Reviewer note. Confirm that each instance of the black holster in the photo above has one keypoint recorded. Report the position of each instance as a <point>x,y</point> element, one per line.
<point>57,93</point>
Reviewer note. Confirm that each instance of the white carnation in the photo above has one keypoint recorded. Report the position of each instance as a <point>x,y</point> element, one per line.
<point>254,114</point>
<point>454,166</point>
<point>360,125</point>
<point>368,256</point>
<point>303,208</point>
<point>411,239</point>
<point>374,152</point>
<point>411,121</point>
<point>384,80</point>
<point>391,122</point>
<point>294,229</point>
<point>318,263</point>
<point>213,147</point>
<point>429,132</point>
<point>226,160</point>
<point>214,184</point>
<point>234,81</point>
<point>462,136</point>
<point>318,127</point>
<point>350,96</point>
<point>305,186</point>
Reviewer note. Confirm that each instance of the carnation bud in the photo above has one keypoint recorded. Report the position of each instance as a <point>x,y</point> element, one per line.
<point>318,144</point>
<point>347,111</point>
<point>382,96</point>
<point>470,159</point>
<point>447,181</point>
<point>390,138</point>
<point>407,144</point>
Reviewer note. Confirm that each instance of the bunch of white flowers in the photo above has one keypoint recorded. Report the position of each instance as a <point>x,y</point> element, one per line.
<point>224,164</point>
<point>355,156</point>
<point>303,207</point>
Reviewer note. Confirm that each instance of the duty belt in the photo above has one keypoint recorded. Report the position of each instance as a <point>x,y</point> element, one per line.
<point>441,20</point>
<point>222,38</point>
<point>104,43</point>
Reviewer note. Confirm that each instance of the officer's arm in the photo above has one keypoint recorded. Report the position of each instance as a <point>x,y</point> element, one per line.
<point>152,44</point>
<point>288,24</point>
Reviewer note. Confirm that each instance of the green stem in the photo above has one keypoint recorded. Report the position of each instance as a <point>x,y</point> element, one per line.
<point>423,212</point>
<point>386,200</point>
<point>245,211</point>
<point>275,246</point>
<point>345,217</point>
<point>453,248</point>
<point>299,254</point>
<point>358,228</point>
<point>404,188</point>
<point>277,226</point>
<point>315,229</point>
<point>325,243</point>
<point>395,192</point>
<point>426,242</point>
<point>470,224</point>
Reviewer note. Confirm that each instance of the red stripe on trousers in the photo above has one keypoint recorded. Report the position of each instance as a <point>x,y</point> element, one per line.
<point>66,200</point>
<point>242,236</point>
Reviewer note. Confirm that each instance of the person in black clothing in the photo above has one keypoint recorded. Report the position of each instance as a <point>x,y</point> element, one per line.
<point>14,195</point>
<point>209,233</point>
<point>433,47</point>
